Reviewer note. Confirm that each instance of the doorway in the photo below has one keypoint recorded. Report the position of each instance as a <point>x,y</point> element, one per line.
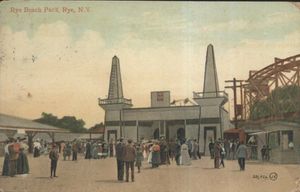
<point>111,134</point>
<point>180,134</point>
<point>209,134</point>
<point>156,133</point>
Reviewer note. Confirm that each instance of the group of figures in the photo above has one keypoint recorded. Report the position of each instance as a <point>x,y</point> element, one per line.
<point>99,150</point>
<point>230,147</point>
<point>70,148</point>
<point>161,152</point>
<point>156,152</point>
<point>15,160</point>
<point>128,154</point>
<point>218,151</point>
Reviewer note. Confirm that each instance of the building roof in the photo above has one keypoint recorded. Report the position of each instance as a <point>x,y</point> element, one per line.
<point>97,129</point>
<point>8,122</point>
<point>67,136</point>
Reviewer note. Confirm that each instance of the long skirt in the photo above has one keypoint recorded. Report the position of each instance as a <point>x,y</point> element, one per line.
<point>185,158</point>
<point>217,162</point>
<point>5,169</point>
<point>150,158</point>
<point>156,158</point>
<point>22,164</point>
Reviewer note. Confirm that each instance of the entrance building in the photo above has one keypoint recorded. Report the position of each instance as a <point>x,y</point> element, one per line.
<point>204,120</point>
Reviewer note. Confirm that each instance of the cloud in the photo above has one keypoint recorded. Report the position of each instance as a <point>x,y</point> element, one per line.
<point>243,24</point>
<point>68,75</point>
<point>233,25</point>
<point>252,54</point>
<point>62,74</point>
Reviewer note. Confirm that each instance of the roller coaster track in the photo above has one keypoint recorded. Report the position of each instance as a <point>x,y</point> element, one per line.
<point>282,72</point>
<point>280,65</point>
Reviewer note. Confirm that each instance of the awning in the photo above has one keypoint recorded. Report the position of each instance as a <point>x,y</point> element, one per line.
<point>234,130</point>
<point>258,133</point>
<point>12,123</point>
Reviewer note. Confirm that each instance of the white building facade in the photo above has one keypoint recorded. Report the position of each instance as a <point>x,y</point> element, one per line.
<point>204,120</point>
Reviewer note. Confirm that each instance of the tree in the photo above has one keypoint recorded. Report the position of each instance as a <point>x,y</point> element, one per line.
<point>48,118</point>
<point>280,102</point>
<point>66,122</point>
<point>71,123</point>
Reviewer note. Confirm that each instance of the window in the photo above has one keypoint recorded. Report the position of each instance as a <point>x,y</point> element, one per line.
<point>160,96</point>
<point>162,127</point>
<point>274,139</point>
<point>287,140</point>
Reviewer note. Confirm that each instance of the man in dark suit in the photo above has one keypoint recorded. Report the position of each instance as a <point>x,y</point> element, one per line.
<point>53,156</point>
<point>129,158</point>
<point>120,158</point>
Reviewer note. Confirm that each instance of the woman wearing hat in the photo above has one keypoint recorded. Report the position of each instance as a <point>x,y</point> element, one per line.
<point>5,169</point>
<point>155,155</point>
<point>139,158</point>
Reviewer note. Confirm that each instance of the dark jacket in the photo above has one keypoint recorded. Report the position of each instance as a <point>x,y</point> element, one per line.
<point>53,155</point>
<point>120,151</point>
<point>129,154</point>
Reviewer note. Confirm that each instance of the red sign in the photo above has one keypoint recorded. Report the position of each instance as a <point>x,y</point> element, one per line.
<point>160,96</point>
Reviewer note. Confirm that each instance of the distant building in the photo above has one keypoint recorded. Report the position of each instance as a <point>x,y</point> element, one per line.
<point>206,119</point>
<point>282,139</point>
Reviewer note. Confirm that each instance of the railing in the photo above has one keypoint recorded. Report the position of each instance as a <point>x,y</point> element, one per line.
<point>200,95</point>
<point>114,101</point>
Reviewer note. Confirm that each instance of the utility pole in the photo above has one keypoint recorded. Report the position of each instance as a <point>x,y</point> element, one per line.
<point>234,88</point>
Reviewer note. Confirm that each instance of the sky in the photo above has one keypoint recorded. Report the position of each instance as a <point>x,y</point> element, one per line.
<point>59,62</point>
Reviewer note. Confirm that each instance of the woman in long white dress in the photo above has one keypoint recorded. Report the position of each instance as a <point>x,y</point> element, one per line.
<point>150,154</point>
<point>185,157</point>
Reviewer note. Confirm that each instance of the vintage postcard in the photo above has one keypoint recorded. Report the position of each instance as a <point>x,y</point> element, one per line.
<point>158,96</point>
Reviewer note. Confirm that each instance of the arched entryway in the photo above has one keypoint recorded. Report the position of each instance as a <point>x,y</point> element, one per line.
<point>156,133</point>
<point>180,134</point>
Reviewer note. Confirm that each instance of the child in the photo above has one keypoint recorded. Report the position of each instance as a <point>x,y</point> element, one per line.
<point>139,158</point>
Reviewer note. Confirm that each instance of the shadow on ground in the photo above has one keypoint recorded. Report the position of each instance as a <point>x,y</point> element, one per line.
<point>43,178</point>
<point>109,181</point>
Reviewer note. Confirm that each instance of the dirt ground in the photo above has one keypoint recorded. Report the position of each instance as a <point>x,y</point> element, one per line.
<point>100,175</point>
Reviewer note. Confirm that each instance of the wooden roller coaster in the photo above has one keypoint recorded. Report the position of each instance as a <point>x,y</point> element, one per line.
<point>283,72</point>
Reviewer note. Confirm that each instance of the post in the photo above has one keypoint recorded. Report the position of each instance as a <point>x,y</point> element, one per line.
<point>30,136</point>
<point>221,125</point>
<point>137,131</point>
<point>199,124</point>
<point>52,134</point>
<point>234,100</point>
<point>234,87</point>
<point>120,124</point>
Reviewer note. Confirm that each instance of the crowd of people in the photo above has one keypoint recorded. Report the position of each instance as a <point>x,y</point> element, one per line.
<point>128,154</point>
<point>16,161</point>
<point>156,152</point>
<point>221,149</point>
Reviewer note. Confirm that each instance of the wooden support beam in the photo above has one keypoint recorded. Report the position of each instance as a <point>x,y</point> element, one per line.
<point>30,136</point>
